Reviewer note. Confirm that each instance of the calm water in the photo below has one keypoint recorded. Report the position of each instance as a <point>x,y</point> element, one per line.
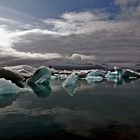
<point>101,111</point>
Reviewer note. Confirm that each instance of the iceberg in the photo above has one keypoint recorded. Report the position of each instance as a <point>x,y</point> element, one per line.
<point>70,84</point>
<point>95,76</point>
<point>94,79</point>
<point>38,79</point>
<point>8,87</point>
<point>8,93</point>
<point>130,74</point>
<point>97,73</point>
<point>41,76</point>
<point>59,76</point>
<point>119,70</point>
<point>71,80</point>
<point>127,73</point>
<point>63,76</point>
<point>40,82</point>
<point>112,75</point>
<point>121,75</point>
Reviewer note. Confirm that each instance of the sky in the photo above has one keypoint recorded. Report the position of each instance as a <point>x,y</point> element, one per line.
<point>42,32</point>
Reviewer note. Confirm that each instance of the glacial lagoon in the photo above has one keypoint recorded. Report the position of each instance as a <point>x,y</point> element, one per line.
<point>98,110</point>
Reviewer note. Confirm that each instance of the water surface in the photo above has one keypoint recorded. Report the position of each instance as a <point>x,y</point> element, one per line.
<point>98,111</point>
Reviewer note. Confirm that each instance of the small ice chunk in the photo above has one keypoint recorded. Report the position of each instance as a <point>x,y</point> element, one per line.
<point>97,73</point>
<point>94,79</point>
<point>59,76</point>
<point>63,76</point>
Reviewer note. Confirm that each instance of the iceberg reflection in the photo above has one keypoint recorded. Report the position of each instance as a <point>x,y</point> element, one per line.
<point>7,99</point>
<point>41,90</point>
<point>70,89</point>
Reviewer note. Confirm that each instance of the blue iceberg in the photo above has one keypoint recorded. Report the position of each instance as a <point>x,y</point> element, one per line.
<point>41,76</point>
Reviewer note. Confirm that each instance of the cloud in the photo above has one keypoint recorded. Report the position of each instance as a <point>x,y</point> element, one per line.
<point>22,55</point>
<point>81,57</point>
<point>8,38</point>
<point>83,22</point>
<point>5,20</point>
<point>74,37</point>
<point>129,8</point>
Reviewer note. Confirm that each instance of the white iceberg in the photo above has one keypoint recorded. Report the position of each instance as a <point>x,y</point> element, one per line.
<point>71,80</point>
<point>70,84</point>
<point>63,76</point>
<point>94,79</point>
<point>7,87</point>
<point>95,76</point>
<point>97,73</point>
<point>112,75</point>
<point>115,75</point>
<point>59,76</point>
<point>9,92</point>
